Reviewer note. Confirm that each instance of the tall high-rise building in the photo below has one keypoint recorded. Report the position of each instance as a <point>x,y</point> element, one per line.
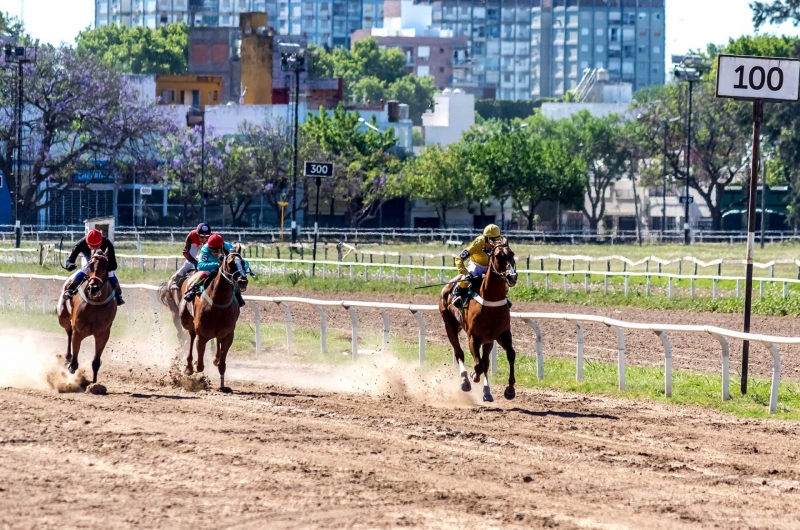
<point>521,49</point>
<point>322,22</point>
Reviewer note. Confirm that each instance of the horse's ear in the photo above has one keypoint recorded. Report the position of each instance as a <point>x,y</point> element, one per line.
<point>238,248</point>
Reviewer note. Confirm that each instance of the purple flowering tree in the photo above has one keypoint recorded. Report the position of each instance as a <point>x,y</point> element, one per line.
<point>181,154</point>
<point>77,110</point>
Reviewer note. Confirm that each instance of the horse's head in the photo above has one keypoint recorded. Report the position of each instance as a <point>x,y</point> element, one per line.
<point>503,262</point>
<point>98,272</point>
<point>234,267</point>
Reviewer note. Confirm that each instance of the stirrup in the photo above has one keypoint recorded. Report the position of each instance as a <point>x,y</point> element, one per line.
<point>190,294</point>
<point>458,302</point>
<point>120,301</point>
<point>240,299</point>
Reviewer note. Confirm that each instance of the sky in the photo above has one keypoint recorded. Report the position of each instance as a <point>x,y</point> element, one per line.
<point>691,24</point>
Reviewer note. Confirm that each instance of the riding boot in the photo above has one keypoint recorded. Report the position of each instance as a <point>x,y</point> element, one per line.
<point>174,281</point>
<point>190,293</point>
<point>72,288</point>
<point>118,294</point>
<point>509,303</point>
<point>239,298</point>
<point>458,297</point>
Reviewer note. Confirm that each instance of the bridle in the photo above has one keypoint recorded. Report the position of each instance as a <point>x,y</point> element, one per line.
<point>239,272</point>
<point>511,265</point>
<point>97,255</point>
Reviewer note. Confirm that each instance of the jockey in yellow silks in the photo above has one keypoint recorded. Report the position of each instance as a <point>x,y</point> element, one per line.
<point>478,255</point>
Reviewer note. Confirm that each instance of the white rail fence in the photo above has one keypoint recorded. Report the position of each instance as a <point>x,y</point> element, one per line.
<point>426,274</point>
<point>577,320</point>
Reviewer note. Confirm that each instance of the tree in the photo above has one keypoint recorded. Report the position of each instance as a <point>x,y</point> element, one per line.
<point>138,50</point>
<point>364,170</point>
<point>77,110</point>
<point>775,12</point>
<point>374,73</point>
<point>440,177</point>
<point>182,154</point>
<point>720,141</point>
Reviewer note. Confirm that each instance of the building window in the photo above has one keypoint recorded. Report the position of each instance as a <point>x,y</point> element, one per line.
<point>599,64</point>
<point>656,34</point>
<point>167,96</point>
<point>656,50</point>
<point>423,71</point>
<point>584,65</point>
<point>424,52</point>
<point>599,48</point>
<point>657,16</point>
<point>599,32</point>
<point>584,48</point>
<point>441,69</point>
<point>642,15</point>
<point>584,31</point>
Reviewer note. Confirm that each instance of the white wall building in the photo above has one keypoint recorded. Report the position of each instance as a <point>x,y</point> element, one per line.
<point>453,114</point>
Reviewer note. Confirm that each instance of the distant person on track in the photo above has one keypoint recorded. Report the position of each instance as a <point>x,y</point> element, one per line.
<point>94,240</point>
<point>194,242</point>
<point>208,261</point>
<point>478,255</point>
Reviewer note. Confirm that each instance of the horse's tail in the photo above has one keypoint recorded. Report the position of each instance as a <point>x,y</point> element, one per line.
<point>164,295</point>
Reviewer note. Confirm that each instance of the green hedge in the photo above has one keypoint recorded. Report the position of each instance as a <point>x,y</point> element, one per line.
<point>509,109</point>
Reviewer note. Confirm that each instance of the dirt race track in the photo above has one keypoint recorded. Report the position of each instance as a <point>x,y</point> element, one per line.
<point>378,444</point>
<point>149,456</point>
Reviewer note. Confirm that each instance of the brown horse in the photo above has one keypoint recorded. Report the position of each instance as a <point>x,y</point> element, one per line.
<point>214,314</point>
<point>91,311</point>
<point>487,318</point>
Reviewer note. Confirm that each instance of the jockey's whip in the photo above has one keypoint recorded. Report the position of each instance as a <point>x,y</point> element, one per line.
<point>61,251</point>
<point>437,284</point>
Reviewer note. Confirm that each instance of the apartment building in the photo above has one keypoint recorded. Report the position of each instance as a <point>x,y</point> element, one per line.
<point>322,22</point>
<point>521,49</point>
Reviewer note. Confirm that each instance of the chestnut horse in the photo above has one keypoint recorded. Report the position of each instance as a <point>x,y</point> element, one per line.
<point>214,314</point>
<point>487,318</point>
<point>91,311</point>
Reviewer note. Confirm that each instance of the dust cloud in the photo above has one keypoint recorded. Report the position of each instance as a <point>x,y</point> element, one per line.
<point>28,362</point>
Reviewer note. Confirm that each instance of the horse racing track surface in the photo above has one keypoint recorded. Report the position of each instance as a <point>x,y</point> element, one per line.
<point>153,456</point>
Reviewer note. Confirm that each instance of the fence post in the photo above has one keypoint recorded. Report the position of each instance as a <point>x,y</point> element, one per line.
<point>605,284</point>
<point>627,282</point>
<point>546,282</point>
<point>723,342</point>
<point>288,315</point>
<point>579,353</point>
<point>421,321</point>
<point>323,326</point>
<point>586,284</point>
<point>257,322</point>
<point>386,324</point>
<point>566,284</point>
<point>785,290</point>
<point>620,355</point>
<point>354,323</point>
<point>539,345</point>
<point>667,362</point>
<point>714,289</point>
<point>776,377</point>
<point>669,287</point>
<point>647,287</point>
<point>738,289</point>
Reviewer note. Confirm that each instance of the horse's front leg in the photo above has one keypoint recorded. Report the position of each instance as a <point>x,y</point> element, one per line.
<point>77,338</point>
<point>68,358</point>
<point>100,342</point>
<point>201,351</point>
<point>223,345</point>
<point>487,353</point>
<point>475,350</point>
<point>189,370</point>
<point>505,342</point>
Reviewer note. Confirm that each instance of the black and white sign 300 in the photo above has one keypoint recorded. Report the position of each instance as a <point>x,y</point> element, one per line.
<point>743,77</point>
<point>318,169</point>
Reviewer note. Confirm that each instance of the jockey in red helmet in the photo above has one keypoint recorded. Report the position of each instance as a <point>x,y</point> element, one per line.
<point>194,242</point>
<point>208,261</point>
<point>94,240</point>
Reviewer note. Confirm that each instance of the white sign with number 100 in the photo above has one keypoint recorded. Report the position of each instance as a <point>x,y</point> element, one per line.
<point>743,77</point>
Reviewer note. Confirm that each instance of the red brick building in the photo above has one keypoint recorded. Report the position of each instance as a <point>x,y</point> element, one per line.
<point>434,56</point>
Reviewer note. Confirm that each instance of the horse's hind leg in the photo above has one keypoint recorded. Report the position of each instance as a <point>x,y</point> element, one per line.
<point>451,327</point>
<point>475,350</point>
<point>487,352</point>
<point>505,342</point>
<point>100,341</point>
<point>189,370</point>
<point>223,345</point>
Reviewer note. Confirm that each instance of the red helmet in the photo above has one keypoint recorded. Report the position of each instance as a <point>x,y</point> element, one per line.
<point>215,241</point>
<point>94,238</point>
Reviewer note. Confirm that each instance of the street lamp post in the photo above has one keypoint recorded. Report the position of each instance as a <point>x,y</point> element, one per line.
<point>18,55</point>
<point>689,69</point>
<point>665,124</point>
<point>197,116</point>
<point>293,59</point>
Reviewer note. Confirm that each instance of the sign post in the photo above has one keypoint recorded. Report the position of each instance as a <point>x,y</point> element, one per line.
<point>283,205</point>
<point>755,79</point>
<point>317,171</point>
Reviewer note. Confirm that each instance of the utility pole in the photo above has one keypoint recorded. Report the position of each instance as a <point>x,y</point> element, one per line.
<point>293,59</point>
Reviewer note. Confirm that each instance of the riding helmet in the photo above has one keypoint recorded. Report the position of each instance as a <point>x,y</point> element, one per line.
<point>94,238</point>
<point>203,230</point>
<point>491,231</point>
<point>215,241</point>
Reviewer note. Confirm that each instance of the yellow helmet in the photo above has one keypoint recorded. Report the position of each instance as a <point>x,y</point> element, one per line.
<point>491,231</point>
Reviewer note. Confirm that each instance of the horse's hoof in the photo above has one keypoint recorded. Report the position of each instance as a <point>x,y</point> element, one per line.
<point>216,362</point>
<point>488,398</point>
<point>510,393</point>
<point>476,377</point>
<point>188,370</point>
<point>72,368</point>
<point>199,368</point>
<point>68,359</point>
<point>225,389</point>
<point>466,386</point>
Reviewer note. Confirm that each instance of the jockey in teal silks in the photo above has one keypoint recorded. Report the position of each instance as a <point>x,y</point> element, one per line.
<point>209,260</point>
